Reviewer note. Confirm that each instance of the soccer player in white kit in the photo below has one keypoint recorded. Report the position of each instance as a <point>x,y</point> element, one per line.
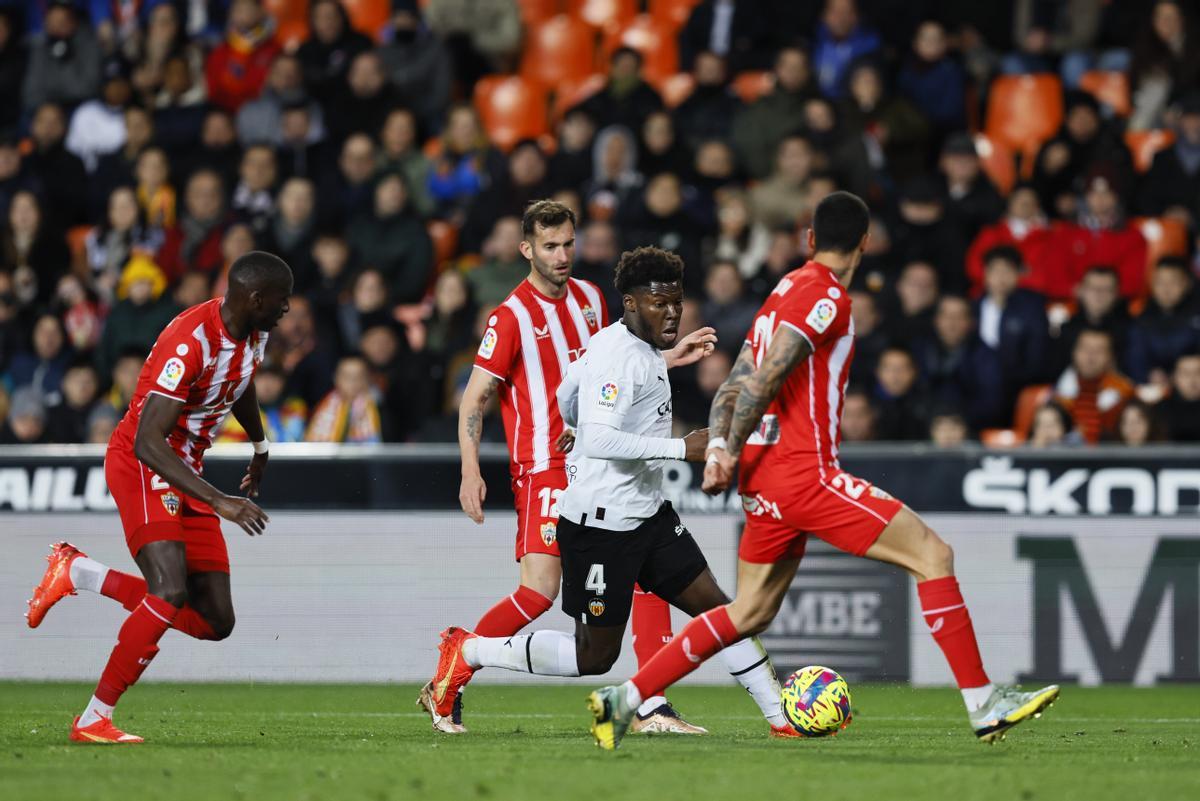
<point>615,528</point>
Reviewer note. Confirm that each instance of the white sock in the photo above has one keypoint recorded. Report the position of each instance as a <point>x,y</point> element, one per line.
<point>976,697</point>
<point>633,696</point>
<point>544,653</point>
<point>747,660</point>
<point>96,709</point>
<point>88,574</point>
<point>651,704</point>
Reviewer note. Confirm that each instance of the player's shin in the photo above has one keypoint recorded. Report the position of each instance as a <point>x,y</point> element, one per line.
<point>949,622</point>
<point>513,613</point>
<point>748,662</point>
<point>704,636</point>
<point>137,645</point>
<point>543,653</point>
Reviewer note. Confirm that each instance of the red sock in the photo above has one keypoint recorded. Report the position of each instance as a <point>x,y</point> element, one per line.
<point>513,613</point>
<point>651,625</point>
<point>137,643</point>
<point>950,624</point>
<point>129,590</point>
<point>702,637</point>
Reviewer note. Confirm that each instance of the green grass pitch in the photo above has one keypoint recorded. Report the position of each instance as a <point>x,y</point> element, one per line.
<point>266,742</point>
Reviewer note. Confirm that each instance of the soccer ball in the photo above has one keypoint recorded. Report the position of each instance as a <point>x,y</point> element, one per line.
<point>816,701</point>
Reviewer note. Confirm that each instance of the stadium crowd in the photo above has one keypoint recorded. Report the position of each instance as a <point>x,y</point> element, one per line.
<point>1033,168</point>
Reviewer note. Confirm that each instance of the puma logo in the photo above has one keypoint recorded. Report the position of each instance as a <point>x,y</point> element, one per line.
<point>687,651</point>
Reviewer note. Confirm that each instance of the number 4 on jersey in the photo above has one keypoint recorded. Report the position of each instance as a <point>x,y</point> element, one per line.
<point>595,579</point>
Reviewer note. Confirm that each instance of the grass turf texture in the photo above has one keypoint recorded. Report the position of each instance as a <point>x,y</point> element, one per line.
<point>266,742</point>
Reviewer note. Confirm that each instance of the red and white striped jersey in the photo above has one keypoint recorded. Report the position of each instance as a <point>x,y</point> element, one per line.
<point>529,341</point>
<point>801,428</point>
<point>197,361</point>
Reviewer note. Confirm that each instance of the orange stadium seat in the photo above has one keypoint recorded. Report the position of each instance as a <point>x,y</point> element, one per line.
<point>653,39</point>
<point>368,16</point>
<point>675,89</point>
<point>445,240</point>
<point>1000,438</point>
<point>603,13</point>
<point>291,33</point>
<point>1144,144</point>
<point>571,93</point>
<point>560,49</point>
<point>535,12</point>
<point>1023,111</point>
<point>1027,403</point>
<point>752,85</point>
<point>1110,88</point>
<point>998,162</point>
<point>283,10</point>
<point>1164,236</point>
<point>511,107</point>
<point>673,12</point>
<point>77,244</point>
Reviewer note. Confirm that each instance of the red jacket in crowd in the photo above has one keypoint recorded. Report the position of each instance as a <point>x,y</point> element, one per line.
<point>1036,245</point>
<point>1080,248</point>
<point>236,69</point>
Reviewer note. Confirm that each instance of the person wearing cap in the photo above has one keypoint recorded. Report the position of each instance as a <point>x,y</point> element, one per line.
<point>64,60</point>
<point>1101,234</point>
<point>26,422</point>
<point>142,310</point>
<point>971,198</point>
<point>1172,186</point>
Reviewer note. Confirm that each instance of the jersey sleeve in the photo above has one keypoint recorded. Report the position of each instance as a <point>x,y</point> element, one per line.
<point>817,313</point>
<point>606,389</point>
<point>500,345</point>
<point>174,365</point>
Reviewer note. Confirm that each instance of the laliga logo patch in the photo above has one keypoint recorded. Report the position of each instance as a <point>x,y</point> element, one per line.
<point>596,607</point>
<point>488,346</point>
<point>549,532</point>
<point>170,502</point>
<point>608,395</point>
<point>822,314</point>
<point>589,314</point>
<point>172,374</point>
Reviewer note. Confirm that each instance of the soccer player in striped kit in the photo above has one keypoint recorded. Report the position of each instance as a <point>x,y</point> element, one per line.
<point>201,368</point>
<point>531,338</point>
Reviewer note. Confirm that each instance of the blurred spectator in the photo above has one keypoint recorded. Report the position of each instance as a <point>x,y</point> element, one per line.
<point>236,241</point>
<point>60,173</point>
<point>614,176</point>
<point>522,182</point>
<point>297,155</point>
<point>284,417</point>
<point>503,268</point>
<point>1083,142</point>
<point>736,31</point>
<point>692,395</point>
<point>1012,321</point>
<point>395,379</point>
<point>292,230</point>
<point>596,255</point>
<point>218,150</point>
<point>253,199</point>
<point>660,149</point>
<point>124,378</point>
<point>840,152</point>
<point>959,371</point>
<point>726,308</point>
<point>870,339</point>
<point>1100,305</point>
<point>782,197</point>
<point>1091,389</point>
<point>392,240</point>
<point>32,250</point>
<point>165,40</point>
<point>13,59</point>
<point>81,313</point>
<point>1181,409</point>
<point>101,423</point>
<point>142,311</point>
<point>659,218</point>
<point>1024,227</point>
<point>933,80</point>
<point>708,112</point>
<point>10,324</point>
<point>155,194</point>
<point>571,163</point>
<point>1172,186</point>
<point>194,288</point>
<point>418,65</point>
<point>118,167</point>
<point>1102,235</point>
<point>98,125</point>
<point>858,417</point>
<point>64,60</point>
<point>448,331</point>
<point>626,98</point>
<point>400,151</point>
<point>910,315</point>
<point>759,128</point>
<point>1166,58</point>
<point>465,165</point>
<point>364,103</point>
<point>971,199</point>
<point>349,413</point>
<point>1138,425</point>
<point>67,420</point>
<point>180,107</point>
<point>840,40</point>
<point>891,128</point>
<point>259,121</point>
<point>352,189</point>
<point>307,359</point>
<point>43,365</point>
<point>1052,425</point>
<point>714,169</point>
<point>26,423</point>
<point>948,430</point>
<point>903,407</point>
<point>331,257</point>
<point>330,48</point>
<point>738,238</point>
<point>923,232</point>
<point>782,257</point>
<point>237,68</point>
<point>482,35</point>
<point>1168,326</point>
<point>14,175</point>
<point>194,243</point>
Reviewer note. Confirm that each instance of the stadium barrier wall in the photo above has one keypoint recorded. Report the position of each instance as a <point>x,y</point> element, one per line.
<point>1077,566</point>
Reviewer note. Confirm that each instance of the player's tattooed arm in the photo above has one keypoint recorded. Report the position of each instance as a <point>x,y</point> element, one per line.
<point>472,491</point>
<point>721,413</point>
<point>788,348</point>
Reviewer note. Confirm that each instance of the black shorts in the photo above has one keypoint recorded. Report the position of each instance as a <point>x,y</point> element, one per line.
<point>600,567</point>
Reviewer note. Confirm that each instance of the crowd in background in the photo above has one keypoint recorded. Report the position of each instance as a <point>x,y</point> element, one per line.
<point>146,145</point>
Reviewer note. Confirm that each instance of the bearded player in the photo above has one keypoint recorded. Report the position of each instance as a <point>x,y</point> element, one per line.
<point>777,418</point>
<point>201,368</point>
<point>543,326</point>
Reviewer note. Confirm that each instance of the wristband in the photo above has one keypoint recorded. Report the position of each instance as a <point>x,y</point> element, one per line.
<point>717,442</point>
<point>261,447</point>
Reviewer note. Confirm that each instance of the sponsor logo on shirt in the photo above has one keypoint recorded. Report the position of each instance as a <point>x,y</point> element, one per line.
<point>822,314</point>
<point>172,374</point>
<point>608,395</point>
<point>488,346</point>
<point>170,502</point>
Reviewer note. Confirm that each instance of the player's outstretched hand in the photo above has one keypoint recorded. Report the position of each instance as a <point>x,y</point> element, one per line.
<point>242,511</point>
<point>694,445</point>
<point>471,494</point>
<point>692,348</point>
<point>254,475</point>
<point>718,471</point>
<point>565,441</point>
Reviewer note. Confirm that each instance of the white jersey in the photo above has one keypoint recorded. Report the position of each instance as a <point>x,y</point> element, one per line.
<point>620,383</point>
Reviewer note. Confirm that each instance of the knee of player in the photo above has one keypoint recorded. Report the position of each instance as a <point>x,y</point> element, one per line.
<point>594,663</point>
<point>223,626</point>
<point>751,620</point>
<point>939,557</point>
<point>174,594</point>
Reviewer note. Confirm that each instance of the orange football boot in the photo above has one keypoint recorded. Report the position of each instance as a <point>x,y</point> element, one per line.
<point>453,672</point>
<point>56,582</point>
<point>784,732</point>
<point>102,731</point>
